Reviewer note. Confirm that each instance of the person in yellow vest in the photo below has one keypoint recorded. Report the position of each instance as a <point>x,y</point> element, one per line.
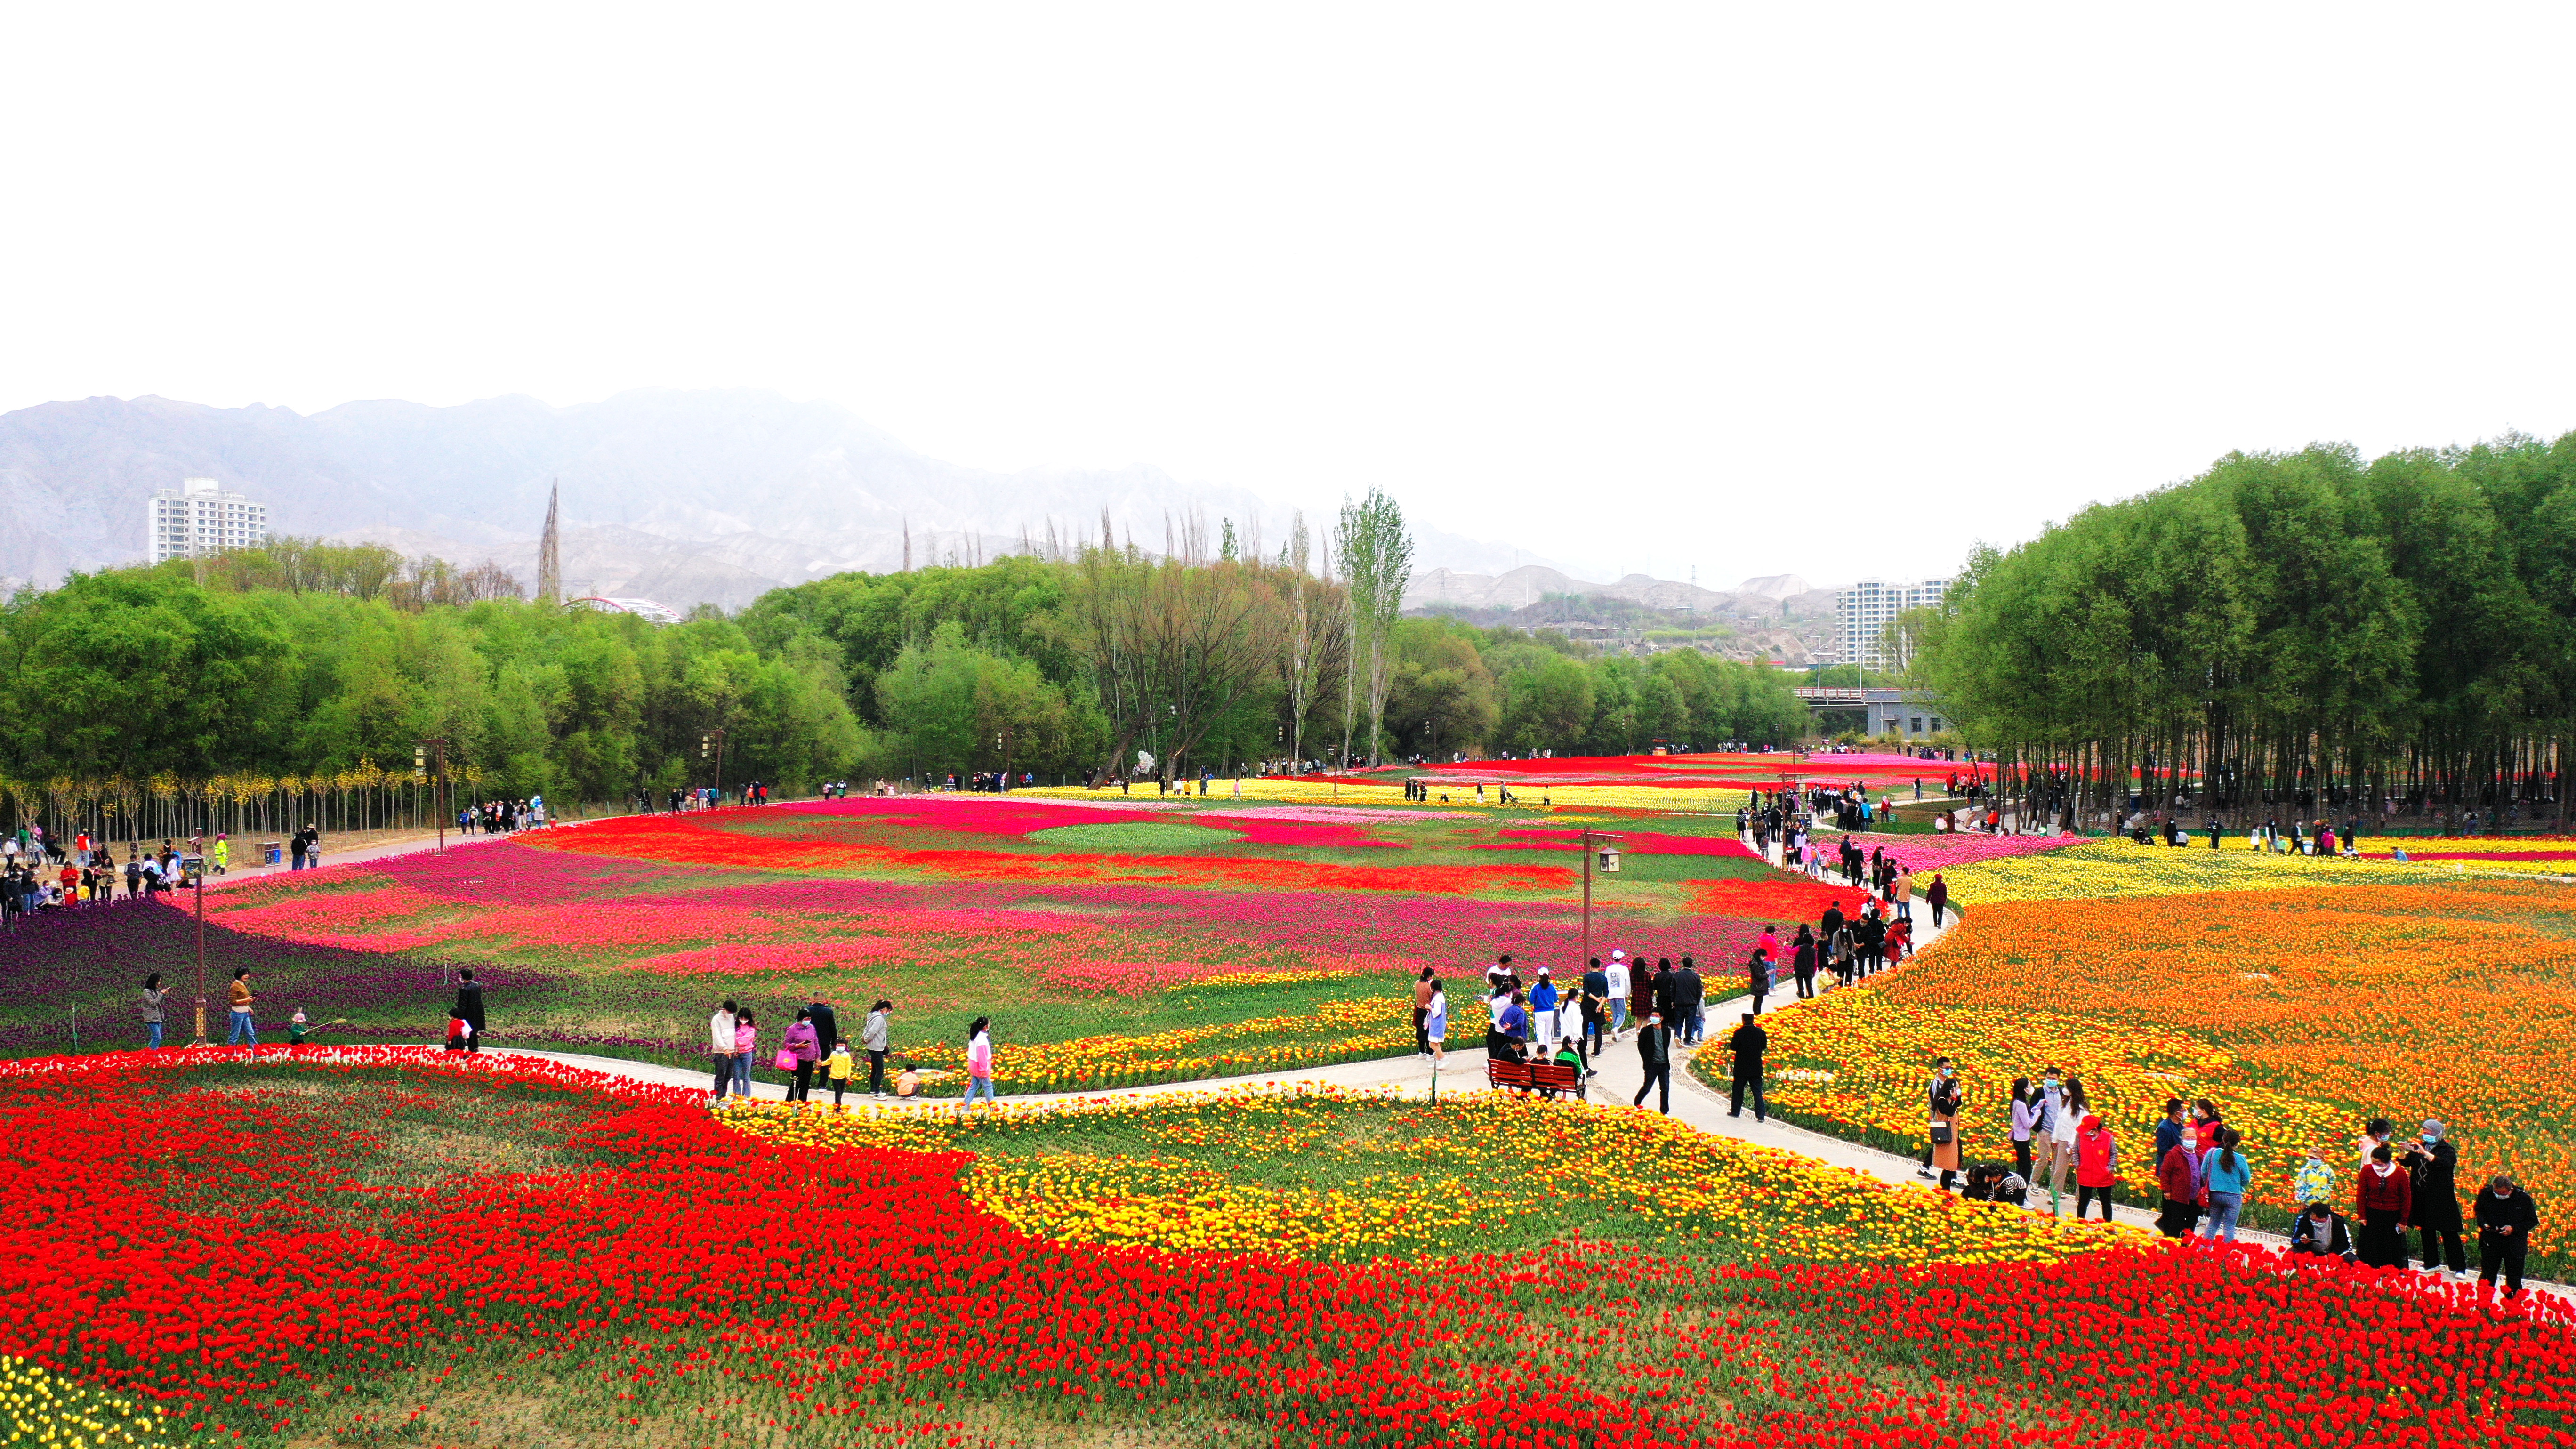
<point>223,855</point>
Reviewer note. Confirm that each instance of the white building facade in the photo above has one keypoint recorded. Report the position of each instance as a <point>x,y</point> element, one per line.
<point>201,517</point>
<point>1868,607</point>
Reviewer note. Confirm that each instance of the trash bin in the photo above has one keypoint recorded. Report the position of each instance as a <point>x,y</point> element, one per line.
<point>271,852</point>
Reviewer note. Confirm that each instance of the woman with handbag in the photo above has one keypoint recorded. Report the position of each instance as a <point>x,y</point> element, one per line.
<point>1946,1101</point>
<point>797,1053</point>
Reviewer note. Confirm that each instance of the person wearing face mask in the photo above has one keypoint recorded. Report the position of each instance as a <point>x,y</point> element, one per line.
<point>2433,1164</point>
<point>2506,1217</point>
<point>2048,1098</point>
<point>2384,1194</point>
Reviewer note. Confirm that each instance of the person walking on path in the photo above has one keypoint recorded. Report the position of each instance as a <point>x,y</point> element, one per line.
<point>2025,1124</point>
<point>2226,1175</point>
<point>2506,1216</point>
<point>1937,896</point>
<point>979,1065</point>
<point>1904,892</point>
<point>469,1007</point>
<point>873,1036</point>
<point>2097,1166</point>
<point>1746,1046</point>
<point>837,1069</point>
<point>2433,1164</point>
<point>2385,1194</point>
<point>720,1046</point>
<point>1804,962</point>
<point>152,995</point>
<point>245,1031</point>
<point>1596,1003</point>
<point>746,1040</point>
<point>1435,1023</point>
<point>1757,975</point>
<point>1616,975</point>
<point>1692,994</point>
<point>801,1045</point>
<point>1423,986</point>
<point>1655,1053</point>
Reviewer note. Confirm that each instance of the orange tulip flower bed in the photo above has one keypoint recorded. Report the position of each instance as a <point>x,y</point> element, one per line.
<point>2299,1013</point>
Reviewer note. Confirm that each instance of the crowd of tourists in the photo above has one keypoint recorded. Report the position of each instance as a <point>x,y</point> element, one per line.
<point>503,817</point>
<point>2203,1170</point>
<point>812,1051</point>
<point>704,797</point>
<point>40,875</point>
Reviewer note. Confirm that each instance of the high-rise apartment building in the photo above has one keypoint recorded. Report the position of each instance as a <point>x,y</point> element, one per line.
<point>200,517</point>
<point>1867,607</point>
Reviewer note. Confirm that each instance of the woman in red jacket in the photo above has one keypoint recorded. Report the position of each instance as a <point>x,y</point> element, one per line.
<point>2384,1194</point>
<point>2097,1166</point>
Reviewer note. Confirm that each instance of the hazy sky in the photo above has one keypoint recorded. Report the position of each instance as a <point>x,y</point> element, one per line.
<point>1832,289</point>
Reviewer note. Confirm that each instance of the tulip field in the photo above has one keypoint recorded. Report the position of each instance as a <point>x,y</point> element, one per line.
<point>390,1246</point>
<point>1113,941</point>
<point>1343,1176</point>
<point>2301,996</point>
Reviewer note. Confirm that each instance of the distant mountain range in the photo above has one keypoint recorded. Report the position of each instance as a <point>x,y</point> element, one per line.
<point>684,497</point>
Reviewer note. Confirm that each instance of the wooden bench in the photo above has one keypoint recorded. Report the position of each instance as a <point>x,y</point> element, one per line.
<point>1513,1075</point>
<point>1555,1077</point>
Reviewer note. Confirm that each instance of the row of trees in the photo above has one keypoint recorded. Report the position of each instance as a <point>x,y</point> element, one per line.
<point>2306,634</point>
<point>274,683</point>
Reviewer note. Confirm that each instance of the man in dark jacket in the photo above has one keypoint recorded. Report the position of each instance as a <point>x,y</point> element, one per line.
<point>827,1026</point>
<point>469,1007</point>
<point>1746,1046</point>
<point>2323,1232</point>
<point>2435,1211</point>
<point>2506,1216</point>
<point>1688,993</point>
<point>1596,1003</point>
<point>1655,1052</point>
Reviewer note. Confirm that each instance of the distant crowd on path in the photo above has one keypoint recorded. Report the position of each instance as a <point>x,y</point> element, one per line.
<point>1790,819</point>
<point>503,817</point>
<point>38,875</point>
<point>812,1049</point>
<point>707,797</point>
<point>2203,1172</point>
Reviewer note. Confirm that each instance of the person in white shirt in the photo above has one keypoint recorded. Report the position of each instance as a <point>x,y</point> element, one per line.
<point>720,1029</point>
<point>1617,971</point>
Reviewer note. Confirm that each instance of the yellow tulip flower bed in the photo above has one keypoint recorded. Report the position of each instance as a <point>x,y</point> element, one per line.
<point>39,1406</point>
<point>1347,1176</point>
<point>2299,1013</point>
<point>2122,869</point>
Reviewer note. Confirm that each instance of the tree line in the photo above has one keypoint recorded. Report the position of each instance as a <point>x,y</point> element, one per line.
<point>2306,634</point>
<point>302,667</point>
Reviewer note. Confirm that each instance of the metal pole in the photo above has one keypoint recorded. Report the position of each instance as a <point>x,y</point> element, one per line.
<point>1587,899</point>
<point>201,958</point>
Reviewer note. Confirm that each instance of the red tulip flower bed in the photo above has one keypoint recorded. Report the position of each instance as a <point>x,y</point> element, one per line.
<point>385,1246</point>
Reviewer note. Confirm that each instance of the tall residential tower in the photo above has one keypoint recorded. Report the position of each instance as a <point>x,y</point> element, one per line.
<point>200,517</point>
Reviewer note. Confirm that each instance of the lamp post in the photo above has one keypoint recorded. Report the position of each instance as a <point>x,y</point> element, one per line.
<point>1612,863</point>
<point>712,744</point>
<point>201,950</point>
<point>429,763</point>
